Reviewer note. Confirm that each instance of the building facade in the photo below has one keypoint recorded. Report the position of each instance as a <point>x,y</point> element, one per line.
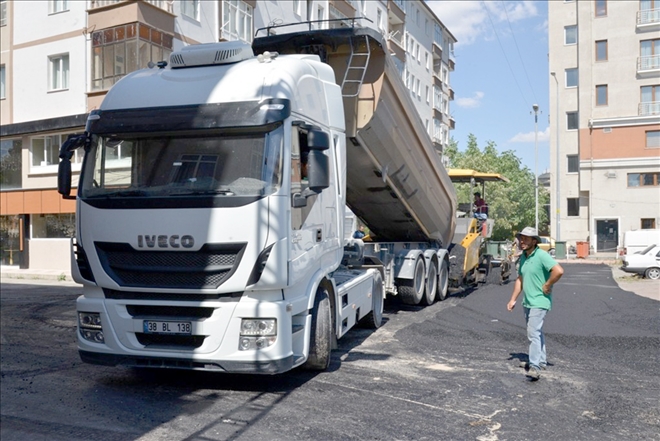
<point>604,87</point>
<point>58,58</point>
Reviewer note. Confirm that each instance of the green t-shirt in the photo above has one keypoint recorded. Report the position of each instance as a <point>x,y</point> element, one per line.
<point>535,271</point>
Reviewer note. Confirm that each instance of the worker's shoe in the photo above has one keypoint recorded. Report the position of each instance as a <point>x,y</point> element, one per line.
<point>534,373</point>
<point>525,365</point>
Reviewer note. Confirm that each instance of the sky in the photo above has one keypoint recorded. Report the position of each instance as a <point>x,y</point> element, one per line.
<point>501,72</point>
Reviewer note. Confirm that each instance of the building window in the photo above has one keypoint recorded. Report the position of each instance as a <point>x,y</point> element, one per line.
<point>573,163</point>
<point>648,224</point>
<point>190,8</point>
<point>572,77</point>
<point>3,12</point>
<point>10,163</point>
<point>601,95</point>
<point>236,20</point>
<point>2,82</point>
<point>650,100</point>
<point>55,6</point>
<point>45,150</point>
<point>570,34</point>
<point>649,54</point>
<point>573,206</point>
<point>643,179</point>
<point>53,226</point>
<point>58,72</point>
<point>437,35</point>
<point>437,98</point>
<point>572,121</point>
<point>601,50</point>
<point>10,239</point>
<point>601,8</point>
<point>123,49</point>
<point>653,139</point>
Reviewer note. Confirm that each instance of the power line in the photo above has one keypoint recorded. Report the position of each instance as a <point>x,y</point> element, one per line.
<point>504,53</point>
<point>518,49</point>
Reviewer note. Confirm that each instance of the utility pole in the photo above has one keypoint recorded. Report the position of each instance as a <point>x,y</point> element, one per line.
<point>535,107</point>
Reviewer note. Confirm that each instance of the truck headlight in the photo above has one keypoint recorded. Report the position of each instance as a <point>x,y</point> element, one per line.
<point>89,324</point>
<point>257,334</point>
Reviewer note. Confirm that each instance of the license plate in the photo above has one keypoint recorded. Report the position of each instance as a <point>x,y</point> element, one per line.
<point>158,327</point>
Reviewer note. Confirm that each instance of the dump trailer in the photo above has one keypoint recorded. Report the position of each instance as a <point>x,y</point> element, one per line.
<point>211,206</point>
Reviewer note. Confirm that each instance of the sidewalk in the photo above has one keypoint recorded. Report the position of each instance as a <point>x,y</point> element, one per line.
<point>14,273</point>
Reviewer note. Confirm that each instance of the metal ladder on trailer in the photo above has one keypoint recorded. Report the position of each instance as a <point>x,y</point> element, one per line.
<point>356,68</point>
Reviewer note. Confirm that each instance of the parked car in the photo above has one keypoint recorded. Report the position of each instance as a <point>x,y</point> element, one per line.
<point>645,262</point>
<point>548,244</point>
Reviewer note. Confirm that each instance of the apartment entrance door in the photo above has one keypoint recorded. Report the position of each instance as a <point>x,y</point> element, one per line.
<point>607,235</point>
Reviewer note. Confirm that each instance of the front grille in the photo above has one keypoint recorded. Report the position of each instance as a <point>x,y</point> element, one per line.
<point>170,341</point>
<point>166,296</point>
<point>207,268</point>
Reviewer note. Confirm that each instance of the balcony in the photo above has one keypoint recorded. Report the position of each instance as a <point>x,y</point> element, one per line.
<point>437,51</point>
<point>452,123</point>
<point>396,46</point>
<point>451,93</point>
<point>165,5</point>
<point>452,65</point>
<point>650,108</point>
<point>648,64</point>
<point>648,18</point>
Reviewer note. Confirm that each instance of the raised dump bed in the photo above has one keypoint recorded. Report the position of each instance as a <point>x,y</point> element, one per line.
<point>396,182</point>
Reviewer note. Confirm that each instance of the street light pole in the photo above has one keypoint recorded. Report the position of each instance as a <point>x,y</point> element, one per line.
<point>558,166</point>
<point>535,107</point>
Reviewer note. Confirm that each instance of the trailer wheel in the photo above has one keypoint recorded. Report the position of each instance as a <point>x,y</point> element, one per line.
<point>374,319</point>
<point>320,335</point>
<point>412,290</point>
<point>443,281</point>
<point>431,287</point>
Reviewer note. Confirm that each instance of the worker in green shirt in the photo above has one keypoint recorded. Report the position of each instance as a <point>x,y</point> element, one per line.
<point>537,272</point>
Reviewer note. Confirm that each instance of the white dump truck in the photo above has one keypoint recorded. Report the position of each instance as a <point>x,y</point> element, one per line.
<point>212,230</point>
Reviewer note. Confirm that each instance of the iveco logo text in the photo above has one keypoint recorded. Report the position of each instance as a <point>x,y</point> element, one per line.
<point>165,241</point>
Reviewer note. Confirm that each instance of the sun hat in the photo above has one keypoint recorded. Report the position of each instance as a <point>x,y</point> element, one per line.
<point>530,232</point>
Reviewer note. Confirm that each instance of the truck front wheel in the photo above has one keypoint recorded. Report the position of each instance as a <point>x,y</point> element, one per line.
<point>320,334</point>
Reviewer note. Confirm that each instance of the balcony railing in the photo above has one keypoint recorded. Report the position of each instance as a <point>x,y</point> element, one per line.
<point>650,62</point>
<point>648,16</point>
<point>162,4</point>
<point>650,108</point>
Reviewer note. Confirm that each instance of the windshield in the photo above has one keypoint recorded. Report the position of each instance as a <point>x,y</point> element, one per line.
<point>246,164</point>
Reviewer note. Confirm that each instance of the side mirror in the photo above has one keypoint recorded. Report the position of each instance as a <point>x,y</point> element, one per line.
<point>318,165</point>
<point>64,168</point>
<point>64,177</point>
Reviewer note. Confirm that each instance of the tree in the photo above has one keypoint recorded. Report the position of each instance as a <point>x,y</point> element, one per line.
<point>511,204</point>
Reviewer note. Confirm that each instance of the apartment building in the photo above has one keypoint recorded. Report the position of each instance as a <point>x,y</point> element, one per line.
<point>58,59</point>
<point>604,119</point>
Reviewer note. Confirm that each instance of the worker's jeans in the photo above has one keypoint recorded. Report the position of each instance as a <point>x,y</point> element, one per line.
<point>534,318</point>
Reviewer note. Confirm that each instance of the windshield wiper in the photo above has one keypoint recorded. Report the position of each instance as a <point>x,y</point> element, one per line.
<point>186,192</point>
<point>122,193</point>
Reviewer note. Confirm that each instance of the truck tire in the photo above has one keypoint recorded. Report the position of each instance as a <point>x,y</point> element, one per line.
<point>320,334</point>
<point>431,286</point>
<point>374,319</point>
<point>443,281</point>
<point>412,290</point>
